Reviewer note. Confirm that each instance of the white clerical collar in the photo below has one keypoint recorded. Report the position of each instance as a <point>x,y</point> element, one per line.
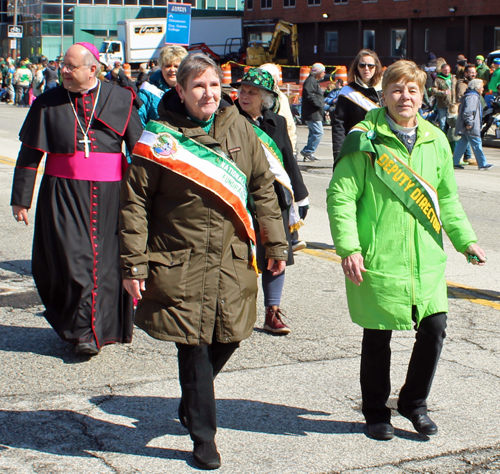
<point>92,88</point>
<point>398,128</point>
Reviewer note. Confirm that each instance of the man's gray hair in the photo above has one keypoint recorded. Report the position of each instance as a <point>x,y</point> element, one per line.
<point>475,84</point>
<point>195,65</point>
<point>90,60</point>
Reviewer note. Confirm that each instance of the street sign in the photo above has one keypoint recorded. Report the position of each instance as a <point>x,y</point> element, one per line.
<point>178,24</point>
<point>15,31</point>
<point>13,44</point>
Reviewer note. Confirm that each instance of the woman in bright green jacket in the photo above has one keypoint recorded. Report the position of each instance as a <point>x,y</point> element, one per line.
<point>392,193</point>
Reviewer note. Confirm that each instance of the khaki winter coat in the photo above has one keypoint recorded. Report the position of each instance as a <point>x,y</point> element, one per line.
<point>188,246</point>
<point>443,100</point>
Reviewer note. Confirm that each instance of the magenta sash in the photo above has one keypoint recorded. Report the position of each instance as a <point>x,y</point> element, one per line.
<point>97,167</point>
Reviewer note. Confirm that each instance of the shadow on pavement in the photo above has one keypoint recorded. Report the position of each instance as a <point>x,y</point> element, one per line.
<point>22,267</point>
<point>65,432</point>
<point>234,414</point>
<point>41,341</point>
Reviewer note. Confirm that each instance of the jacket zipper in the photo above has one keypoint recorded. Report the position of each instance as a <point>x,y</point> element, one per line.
<point>411,249</point>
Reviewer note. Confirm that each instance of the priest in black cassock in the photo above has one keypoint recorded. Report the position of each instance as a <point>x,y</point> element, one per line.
<point>81,125</point>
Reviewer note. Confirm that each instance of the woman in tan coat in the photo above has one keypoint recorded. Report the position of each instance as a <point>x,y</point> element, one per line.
<point>187,237</point>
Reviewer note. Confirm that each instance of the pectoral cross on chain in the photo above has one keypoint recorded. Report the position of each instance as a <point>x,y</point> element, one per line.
<point>86,143</point>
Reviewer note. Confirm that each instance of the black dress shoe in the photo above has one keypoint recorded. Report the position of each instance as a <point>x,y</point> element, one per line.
<point>381,431</point>
<point>424,425</point>
<point>87,349</point>
<point>206,455</point>
<point>182,414</point>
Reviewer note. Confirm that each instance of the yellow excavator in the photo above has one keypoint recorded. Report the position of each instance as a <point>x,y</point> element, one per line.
<point>257,54</point>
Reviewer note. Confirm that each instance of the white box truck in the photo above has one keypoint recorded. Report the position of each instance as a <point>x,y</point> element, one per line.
<point>139,41</point>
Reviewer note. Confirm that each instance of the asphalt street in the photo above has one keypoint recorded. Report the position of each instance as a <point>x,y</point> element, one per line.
<point>285,404</point>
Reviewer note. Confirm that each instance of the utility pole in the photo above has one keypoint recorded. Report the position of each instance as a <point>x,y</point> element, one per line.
<point>62,28</point>
<point>14,50</point>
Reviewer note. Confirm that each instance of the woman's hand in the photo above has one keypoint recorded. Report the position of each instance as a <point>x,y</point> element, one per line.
<point>20,213</point>
<point>474,249</point>
<point>276,266</point>
<point>134,287</point>
<point>353,266</point>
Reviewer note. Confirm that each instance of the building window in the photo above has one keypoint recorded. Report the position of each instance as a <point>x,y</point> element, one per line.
<point>340,2</point>
<point>51,12</point>
<point>313,3</point>
<point>266,4</point>
<point>332,42</point>
<point>288,3</point>
<point>51,28</point>
<point>426,40</point>
<point>369,39</point>
<point>455,38</point>
<point>497,39</point>
<point>398,43</point>
<point>249,4</point>
<point>370,1</point>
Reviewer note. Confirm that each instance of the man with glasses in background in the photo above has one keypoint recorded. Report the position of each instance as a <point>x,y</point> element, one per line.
<point>76,264</point>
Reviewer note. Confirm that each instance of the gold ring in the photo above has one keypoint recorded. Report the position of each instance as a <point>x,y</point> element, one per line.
<point>347,272</point>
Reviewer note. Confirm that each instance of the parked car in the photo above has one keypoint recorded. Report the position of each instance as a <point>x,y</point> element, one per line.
<point>493,55</point>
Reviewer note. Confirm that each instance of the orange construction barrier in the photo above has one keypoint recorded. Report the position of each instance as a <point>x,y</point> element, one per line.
<point>226,74</point>
<point>280,80</point>
<point>341,73</point>
<point>304,74</point>
<point>233,94</point>
<point>128,71</point>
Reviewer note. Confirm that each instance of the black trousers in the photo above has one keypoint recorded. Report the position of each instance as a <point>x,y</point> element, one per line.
<point>198,367</point>
<point>375,370</point>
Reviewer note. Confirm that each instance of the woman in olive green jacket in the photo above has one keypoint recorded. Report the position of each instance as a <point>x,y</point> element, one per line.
<point>392,193</point>
<point>186,236</point>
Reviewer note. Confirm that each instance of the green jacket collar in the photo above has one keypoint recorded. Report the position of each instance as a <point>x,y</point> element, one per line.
<point>375,120</point>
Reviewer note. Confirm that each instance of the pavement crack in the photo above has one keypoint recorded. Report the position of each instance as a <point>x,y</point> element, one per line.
<point>452,361</point>
<point>103,459</point>
<point>473,460</point>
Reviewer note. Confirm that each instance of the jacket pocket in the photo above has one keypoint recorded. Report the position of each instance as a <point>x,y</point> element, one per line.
<point>245,273</point>
<point>167,280</point>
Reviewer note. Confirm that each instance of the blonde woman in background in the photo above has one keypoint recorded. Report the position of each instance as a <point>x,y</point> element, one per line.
<point>160,82</point>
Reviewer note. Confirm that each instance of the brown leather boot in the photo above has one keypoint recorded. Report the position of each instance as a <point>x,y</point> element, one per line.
<point>274,323</point>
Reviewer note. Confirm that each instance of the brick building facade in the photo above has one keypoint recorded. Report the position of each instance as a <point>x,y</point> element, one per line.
<point>333,31</point>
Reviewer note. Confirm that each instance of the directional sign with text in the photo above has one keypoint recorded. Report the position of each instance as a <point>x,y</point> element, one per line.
<point>15,31</point>
<point>178,23</point>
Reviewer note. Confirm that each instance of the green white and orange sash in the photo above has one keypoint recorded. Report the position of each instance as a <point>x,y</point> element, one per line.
<point>202,165</point>
<point>416,194</point>
<point>275,160</point>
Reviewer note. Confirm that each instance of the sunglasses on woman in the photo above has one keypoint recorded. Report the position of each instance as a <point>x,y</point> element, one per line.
<point>363,65</point>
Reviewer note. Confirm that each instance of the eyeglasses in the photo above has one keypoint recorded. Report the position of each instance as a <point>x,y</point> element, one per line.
<point>369,66</point>
<point>71,68</point>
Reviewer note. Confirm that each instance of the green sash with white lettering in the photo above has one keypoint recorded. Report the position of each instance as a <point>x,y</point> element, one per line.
<point>416,194</point>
